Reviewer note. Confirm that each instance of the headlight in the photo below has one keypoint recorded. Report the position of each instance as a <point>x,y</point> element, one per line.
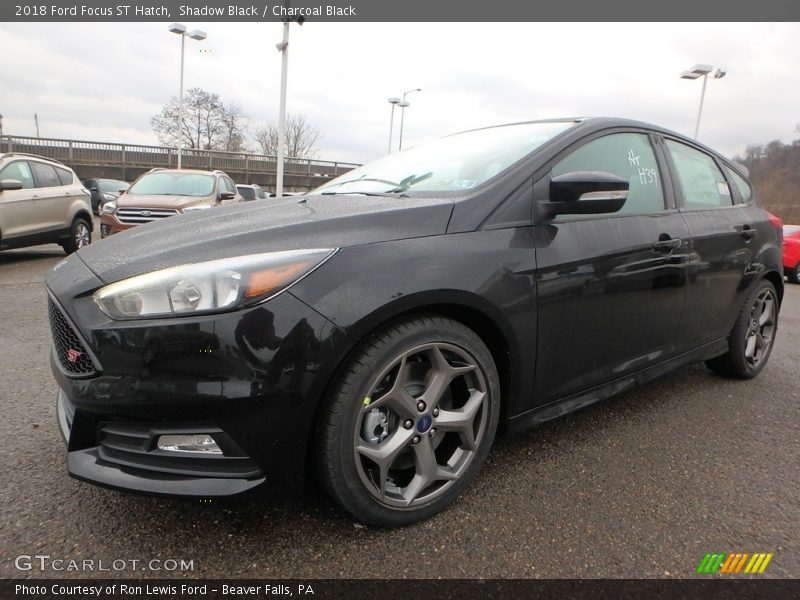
<point>198,207</point>
<point>109,208</point>
<point>207,287</point>
<point>109,197</point>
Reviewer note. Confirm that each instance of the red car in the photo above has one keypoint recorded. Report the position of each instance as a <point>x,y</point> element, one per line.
<point>791,252</point>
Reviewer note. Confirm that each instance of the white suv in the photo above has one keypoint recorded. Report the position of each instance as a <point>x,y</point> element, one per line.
<point>42,201</point>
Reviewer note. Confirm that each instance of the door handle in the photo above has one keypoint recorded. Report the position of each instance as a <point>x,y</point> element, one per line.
<point>666,243</point>
<point>747,232</point>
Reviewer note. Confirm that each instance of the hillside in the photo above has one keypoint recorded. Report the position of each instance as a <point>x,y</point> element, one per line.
<point>775,172</point>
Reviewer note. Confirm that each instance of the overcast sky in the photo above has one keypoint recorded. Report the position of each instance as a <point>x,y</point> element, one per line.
<point>105,81</point>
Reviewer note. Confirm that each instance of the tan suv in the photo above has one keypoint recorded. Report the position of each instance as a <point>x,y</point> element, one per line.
<point>162,193</point>
<point>42,201</point>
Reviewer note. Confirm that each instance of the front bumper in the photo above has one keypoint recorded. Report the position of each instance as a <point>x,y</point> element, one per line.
<point>92,465</point>
<point>251,378</point>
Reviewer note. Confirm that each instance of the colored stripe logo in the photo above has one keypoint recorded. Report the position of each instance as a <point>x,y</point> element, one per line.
<point>734,563</point>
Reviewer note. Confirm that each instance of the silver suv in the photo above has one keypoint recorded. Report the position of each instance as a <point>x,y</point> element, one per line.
<point>42,201</point>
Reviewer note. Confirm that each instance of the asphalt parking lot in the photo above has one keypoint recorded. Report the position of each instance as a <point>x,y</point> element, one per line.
<point>640,486</point>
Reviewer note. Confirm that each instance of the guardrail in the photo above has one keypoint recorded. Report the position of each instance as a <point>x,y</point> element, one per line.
<point>138,156</point>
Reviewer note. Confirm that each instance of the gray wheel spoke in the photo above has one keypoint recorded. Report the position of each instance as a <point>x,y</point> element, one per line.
<point>385,453</point>
<point>750,347</point>
<point>427,470</point>
<point>398,397</point>
<point>442,373</point>
<point>462,420</point>
<point>766,312</point>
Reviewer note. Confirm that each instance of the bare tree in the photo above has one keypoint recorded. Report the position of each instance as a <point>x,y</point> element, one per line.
<point>235,123</point>
<point>207,124</point>
<point>301,137</point>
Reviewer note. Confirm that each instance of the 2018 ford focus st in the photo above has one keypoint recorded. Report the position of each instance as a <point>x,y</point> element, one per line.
<point>377,332</point>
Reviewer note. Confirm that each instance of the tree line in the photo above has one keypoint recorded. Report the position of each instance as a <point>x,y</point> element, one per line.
<point>210,124</point>
<point>775,172</point>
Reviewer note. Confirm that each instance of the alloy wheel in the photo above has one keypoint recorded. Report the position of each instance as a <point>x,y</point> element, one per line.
<point>761,328</point>
<point>421,425</point>
<point>82,235</point>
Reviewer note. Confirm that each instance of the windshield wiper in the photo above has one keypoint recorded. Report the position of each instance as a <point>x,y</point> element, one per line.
<point>358,193</point>
<point>409,181</point>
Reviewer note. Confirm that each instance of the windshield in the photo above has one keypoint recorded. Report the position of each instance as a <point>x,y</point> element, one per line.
<point>455,163</point>
<point>247,193</point>
<point>112,185</point>
<point>790,229</point>
<point>173,184</point>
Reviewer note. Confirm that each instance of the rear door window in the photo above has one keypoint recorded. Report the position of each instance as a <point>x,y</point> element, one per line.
<point>19,170</point>
<point>701,181</point>
<point>45,175</point>
<point>626,155</point>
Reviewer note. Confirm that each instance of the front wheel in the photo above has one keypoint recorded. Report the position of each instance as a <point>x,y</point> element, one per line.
<point>80,235</point>
<point>411,421</point>
<point>793,275</point>
<point>753,335</point>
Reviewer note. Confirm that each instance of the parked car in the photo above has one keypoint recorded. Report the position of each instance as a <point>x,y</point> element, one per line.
<point>104,190</point>
<point>251,192</point>
<point>791,252</point>
<point>42,202</point>
<point>380,330</point>
<point>162,193</point>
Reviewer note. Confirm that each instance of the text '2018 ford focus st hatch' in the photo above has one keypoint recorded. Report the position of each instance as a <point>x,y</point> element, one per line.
<point>377,332</point>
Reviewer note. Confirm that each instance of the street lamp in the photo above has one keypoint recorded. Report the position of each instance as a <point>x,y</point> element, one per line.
<point>393,101</point>
<point>696,72</point>
<point>283,48</point>
<point>198,35</point>
<point>403,105</point>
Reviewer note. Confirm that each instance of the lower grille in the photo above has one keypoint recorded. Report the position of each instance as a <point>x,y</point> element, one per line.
<point>71,353</point>
<point>134,445</point>
<point>137,216</point>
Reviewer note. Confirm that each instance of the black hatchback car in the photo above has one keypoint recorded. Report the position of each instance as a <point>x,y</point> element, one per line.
<point>378,331</point>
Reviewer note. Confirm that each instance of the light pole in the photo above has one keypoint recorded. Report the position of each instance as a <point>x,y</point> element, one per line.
<point>394,100</point>
<point>198,35</point>
<point>283,48</point>
<point>403,105</point>
<point>701,71</point>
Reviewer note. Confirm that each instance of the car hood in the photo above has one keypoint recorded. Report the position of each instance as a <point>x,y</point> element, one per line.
<point>160,201</point>
<point>254,227</point>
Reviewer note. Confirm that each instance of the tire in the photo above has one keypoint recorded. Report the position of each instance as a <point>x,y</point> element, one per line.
<point>752,337</point>
<point>793,275</point>
<point>421,396</point>
<point>80,235</point>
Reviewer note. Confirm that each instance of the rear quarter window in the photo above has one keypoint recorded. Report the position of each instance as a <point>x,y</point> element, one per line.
<point>745,191</point>
<point>64,175</point>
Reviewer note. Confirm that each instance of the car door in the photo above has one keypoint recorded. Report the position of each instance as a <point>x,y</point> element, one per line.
<point>723,234</point>
<point>16,206</point>
<point>51,199</point>
<point>610,287</point>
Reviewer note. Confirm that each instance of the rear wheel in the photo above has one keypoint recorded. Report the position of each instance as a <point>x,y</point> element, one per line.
<point>80,235</point>
<point>793,275</point>
<point>751,340</point>
<point>410,423</point>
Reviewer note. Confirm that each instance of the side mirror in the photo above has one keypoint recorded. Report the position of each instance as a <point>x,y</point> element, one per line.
<point>122,192</point>
<point>8,185</point>
<point>586,193</point>
<point>227,196</point>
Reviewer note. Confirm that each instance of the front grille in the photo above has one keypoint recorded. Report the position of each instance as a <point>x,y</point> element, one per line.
<point>137,216</point>
<point>71,353</point>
